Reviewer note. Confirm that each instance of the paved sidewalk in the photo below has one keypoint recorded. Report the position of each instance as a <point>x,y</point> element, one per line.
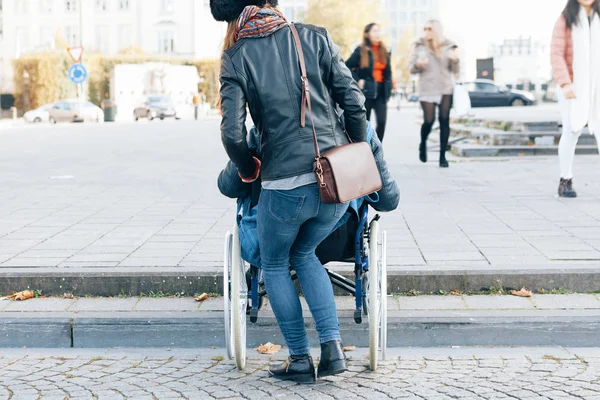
<point>113,197</point>
<point>436,374</point>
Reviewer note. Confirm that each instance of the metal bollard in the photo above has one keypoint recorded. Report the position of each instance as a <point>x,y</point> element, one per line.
<point>14,113</point>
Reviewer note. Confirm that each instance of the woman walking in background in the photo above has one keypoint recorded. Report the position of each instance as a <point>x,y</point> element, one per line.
<point>435,60</point>
<point>576,65</point>
<point>371,68</point>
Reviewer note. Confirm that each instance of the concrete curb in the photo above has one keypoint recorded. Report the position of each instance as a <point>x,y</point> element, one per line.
<point>133,281</point>
<point>205,329</point>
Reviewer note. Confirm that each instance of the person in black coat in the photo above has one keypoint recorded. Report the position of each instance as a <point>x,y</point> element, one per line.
<point>371,68</point>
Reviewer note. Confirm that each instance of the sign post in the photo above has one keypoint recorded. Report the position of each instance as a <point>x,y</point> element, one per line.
<point>77,73</point>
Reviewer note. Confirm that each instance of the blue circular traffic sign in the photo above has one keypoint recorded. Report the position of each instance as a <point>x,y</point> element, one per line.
<point>77,73</point>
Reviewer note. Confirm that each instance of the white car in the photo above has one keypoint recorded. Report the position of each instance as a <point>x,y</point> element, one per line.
<point>38,115</point>
<point>72,111</point>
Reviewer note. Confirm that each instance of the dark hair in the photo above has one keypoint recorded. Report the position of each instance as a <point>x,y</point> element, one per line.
<point>366,45</point>
<point>571,12</point>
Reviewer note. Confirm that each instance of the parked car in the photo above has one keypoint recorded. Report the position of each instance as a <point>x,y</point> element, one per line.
<point>485,93</point>
<point>40,114</point>
<point>156,106</point>
<point>72,110</point>
<point>413,98</point>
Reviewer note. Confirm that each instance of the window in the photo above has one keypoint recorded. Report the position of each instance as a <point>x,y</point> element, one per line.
<point>22,37</point>
<point>424,3</point>
<point>123,5</point>
<point>71,5</point>
<point>403,17</point>
<point>289,13</point>
<point>413,3</point>
<point>46,37</point>
<point>101,5</point>
<point>413,17</point>
<point>166,5</point>
<point>486,87</point>
<point>46,6</point>
<point>21,6</point>
<point>102,39</point>
<point>72,35</point>
<point>166,42</point>
<point>470,86</point>
<point>124,36</point>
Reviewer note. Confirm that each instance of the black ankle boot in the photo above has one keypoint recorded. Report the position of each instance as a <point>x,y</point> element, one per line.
<point>333,359</point>
<point>565,188</point>
<point>423,152</point>
<point>299,369</point>
<point>444,163</point>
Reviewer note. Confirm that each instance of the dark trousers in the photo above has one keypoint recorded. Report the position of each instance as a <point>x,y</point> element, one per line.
<point>378,104</point>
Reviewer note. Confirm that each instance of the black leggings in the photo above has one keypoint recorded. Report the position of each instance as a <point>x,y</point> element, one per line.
<point>444,118</point>
<point>380,106</point>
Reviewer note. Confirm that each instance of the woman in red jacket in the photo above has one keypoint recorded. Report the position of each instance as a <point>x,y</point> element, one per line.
<point>576,66</point>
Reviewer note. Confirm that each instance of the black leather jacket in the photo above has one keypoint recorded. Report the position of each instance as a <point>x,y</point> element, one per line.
<point>370,90</point>
<point>265,74</point>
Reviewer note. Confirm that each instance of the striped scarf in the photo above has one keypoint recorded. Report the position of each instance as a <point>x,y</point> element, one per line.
<point>256,22</point>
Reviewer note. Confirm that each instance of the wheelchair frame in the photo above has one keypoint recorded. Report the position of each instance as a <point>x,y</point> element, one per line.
<point>368,242</point>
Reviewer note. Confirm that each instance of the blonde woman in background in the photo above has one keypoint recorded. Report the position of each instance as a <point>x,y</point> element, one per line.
<point>435,59</point>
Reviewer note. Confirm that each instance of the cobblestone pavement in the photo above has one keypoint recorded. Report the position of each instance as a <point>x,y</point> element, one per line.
<point>531,373</point>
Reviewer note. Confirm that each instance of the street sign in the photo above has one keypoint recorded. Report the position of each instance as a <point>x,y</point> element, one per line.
<point>77,73</point>
<point>75,53</point>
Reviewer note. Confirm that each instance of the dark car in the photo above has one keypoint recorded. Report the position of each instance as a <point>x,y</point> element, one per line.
<point>156,107</point>
<point>485,93</point>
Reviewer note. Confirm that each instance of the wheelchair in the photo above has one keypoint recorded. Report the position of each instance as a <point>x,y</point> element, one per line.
<point>244,290</point>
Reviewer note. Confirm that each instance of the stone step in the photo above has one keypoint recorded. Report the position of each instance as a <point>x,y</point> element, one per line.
<point>572,276</point>
<point>421,321</point>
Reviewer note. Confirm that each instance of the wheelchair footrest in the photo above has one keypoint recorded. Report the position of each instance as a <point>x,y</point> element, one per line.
<point>358,316</point>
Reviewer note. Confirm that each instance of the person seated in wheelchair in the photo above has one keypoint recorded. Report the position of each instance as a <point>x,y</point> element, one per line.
<point>339,245</point>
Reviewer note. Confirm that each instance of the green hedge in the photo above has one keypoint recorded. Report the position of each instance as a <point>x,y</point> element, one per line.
<point>47,76</point>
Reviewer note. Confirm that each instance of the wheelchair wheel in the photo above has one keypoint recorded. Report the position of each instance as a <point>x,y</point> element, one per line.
<point>227,264</point>
<point>239,302</point>
<point>384,297</point>
<point>376,293</point>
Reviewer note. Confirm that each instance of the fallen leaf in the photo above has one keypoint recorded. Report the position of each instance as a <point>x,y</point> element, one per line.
<point>268,348</point>
<point>68,296</point>
<point>455,293</point>
<point>349,348</point>
<point>202,297</point>
<point>521,293</point>
<point>24,295</point>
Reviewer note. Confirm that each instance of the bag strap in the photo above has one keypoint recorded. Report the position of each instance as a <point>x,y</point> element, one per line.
<point>305,91</point>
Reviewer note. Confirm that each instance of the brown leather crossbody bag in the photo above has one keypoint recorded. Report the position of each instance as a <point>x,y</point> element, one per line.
<point>344,173</point>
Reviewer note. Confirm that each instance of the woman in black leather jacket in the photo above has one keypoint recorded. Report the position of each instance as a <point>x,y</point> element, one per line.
<point>260,69</point>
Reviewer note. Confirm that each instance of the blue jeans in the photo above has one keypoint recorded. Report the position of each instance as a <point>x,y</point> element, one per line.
<point>291,224</point>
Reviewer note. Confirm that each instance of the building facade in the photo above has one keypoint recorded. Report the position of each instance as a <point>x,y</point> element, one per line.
<point>293,10</point>
<point>409,15</point>
<point>521,61</point>
<point>182,28</point>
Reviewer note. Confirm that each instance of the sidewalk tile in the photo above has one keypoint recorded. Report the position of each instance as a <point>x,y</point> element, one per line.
<point>491,302</point>
<point>431,303</point>
<point>40,305</point>
<point>212,304</point>
<point>104,304</point>
<point>167,304</point>
<point>566,302</point>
